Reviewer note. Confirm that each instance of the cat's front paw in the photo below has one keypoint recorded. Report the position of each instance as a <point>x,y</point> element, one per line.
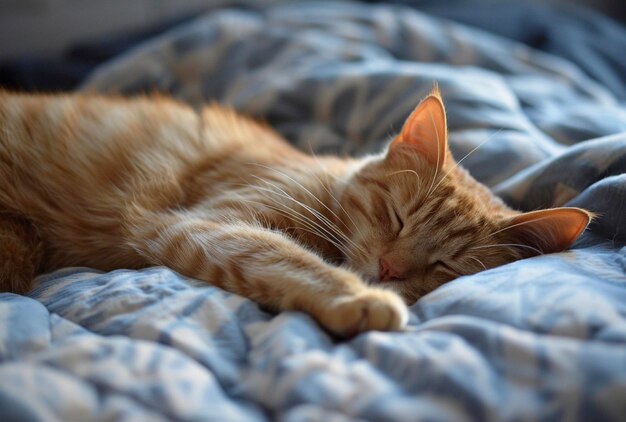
<point>374,309</point>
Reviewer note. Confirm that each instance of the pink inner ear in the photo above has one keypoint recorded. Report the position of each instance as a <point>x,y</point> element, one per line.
<point>549,231</point>
<point>425,130</point>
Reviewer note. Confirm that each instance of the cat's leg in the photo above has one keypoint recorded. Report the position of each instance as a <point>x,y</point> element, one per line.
<point>270,269</point>
<point>20,253</point>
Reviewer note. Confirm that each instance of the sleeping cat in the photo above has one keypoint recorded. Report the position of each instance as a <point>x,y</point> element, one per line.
<point>110,183</point>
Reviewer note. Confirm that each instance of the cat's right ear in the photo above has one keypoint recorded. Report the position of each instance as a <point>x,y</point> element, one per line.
<point>425,131</point>
<point>547,231</point>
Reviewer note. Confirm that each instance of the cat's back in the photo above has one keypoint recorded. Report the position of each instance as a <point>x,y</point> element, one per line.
<point>93,154</point>
<point>82,149</point>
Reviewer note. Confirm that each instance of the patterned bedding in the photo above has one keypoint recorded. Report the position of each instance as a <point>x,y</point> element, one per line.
<point>543,338</point>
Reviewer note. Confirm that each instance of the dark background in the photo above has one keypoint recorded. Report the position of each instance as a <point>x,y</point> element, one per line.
<point>52,45</point>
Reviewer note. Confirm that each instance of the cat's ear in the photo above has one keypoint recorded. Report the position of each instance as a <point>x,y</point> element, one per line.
<point>546,231</point>
<point>425,130</point>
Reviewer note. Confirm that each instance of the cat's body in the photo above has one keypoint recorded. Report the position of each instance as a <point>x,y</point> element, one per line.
<point>128,183</point>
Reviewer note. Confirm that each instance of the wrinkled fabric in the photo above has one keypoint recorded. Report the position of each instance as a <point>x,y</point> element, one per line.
<point>543,338</point>
<point>594,42</point>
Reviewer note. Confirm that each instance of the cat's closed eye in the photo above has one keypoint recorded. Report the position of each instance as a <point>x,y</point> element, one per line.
<point>442,265</point>
<point>398,219</point>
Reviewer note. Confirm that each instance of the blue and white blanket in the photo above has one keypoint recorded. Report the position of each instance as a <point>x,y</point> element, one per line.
<point>539,339</point>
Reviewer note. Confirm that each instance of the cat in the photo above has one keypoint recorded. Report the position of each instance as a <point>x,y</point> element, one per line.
<point>111,182</point>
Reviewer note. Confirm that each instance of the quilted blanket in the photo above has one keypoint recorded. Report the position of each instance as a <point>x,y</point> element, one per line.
<point>538,339</point>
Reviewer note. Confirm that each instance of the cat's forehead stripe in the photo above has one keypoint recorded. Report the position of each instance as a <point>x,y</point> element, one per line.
<point>435,200</point>
<point>380,208</point>
<point>370,181</point>
<point>464,231</point>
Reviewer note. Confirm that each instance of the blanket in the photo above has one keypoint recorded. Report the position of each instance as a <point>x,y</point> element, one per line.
<point>542,338</point>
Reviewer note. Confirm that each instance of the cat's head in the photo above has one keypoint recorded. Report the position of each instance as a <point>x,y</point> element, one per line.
<point>419,220</point>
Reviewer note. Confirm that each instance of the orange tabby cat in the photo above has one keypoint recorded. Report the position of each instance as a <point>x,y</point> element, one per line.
<point>128,183</point>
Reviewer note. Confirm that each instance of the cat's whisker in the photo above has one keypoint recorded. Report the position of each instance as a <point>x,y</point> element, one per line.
<point>490,137</point>
<point>479,261</point>
<point>306,190</point>
<point>512,226</point>
<point>403,171</point>
<point>413,172</point>
<point>285,195</point>
<point>331,226</point>
<point>357,228</point>
<point>338,236</point>
<point>336,232</point>
<point>294,214</point>
<point>323,185</point>
<point>327,174</point>
<point>519,245</point>
<point>311,226</point>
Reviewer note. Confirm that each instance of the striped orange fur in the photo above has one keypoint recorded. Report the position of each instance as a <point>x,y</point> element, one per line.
<point>111,182</point>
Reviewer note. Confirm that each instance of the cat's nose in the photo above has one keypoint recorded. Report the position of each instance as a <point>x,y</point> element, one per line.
<point>389,270</point>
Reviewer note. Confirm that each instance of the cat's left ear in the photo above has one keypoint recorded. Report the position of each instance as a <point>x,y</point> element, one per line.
<point>425,130</point>
<point>546,231</point>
